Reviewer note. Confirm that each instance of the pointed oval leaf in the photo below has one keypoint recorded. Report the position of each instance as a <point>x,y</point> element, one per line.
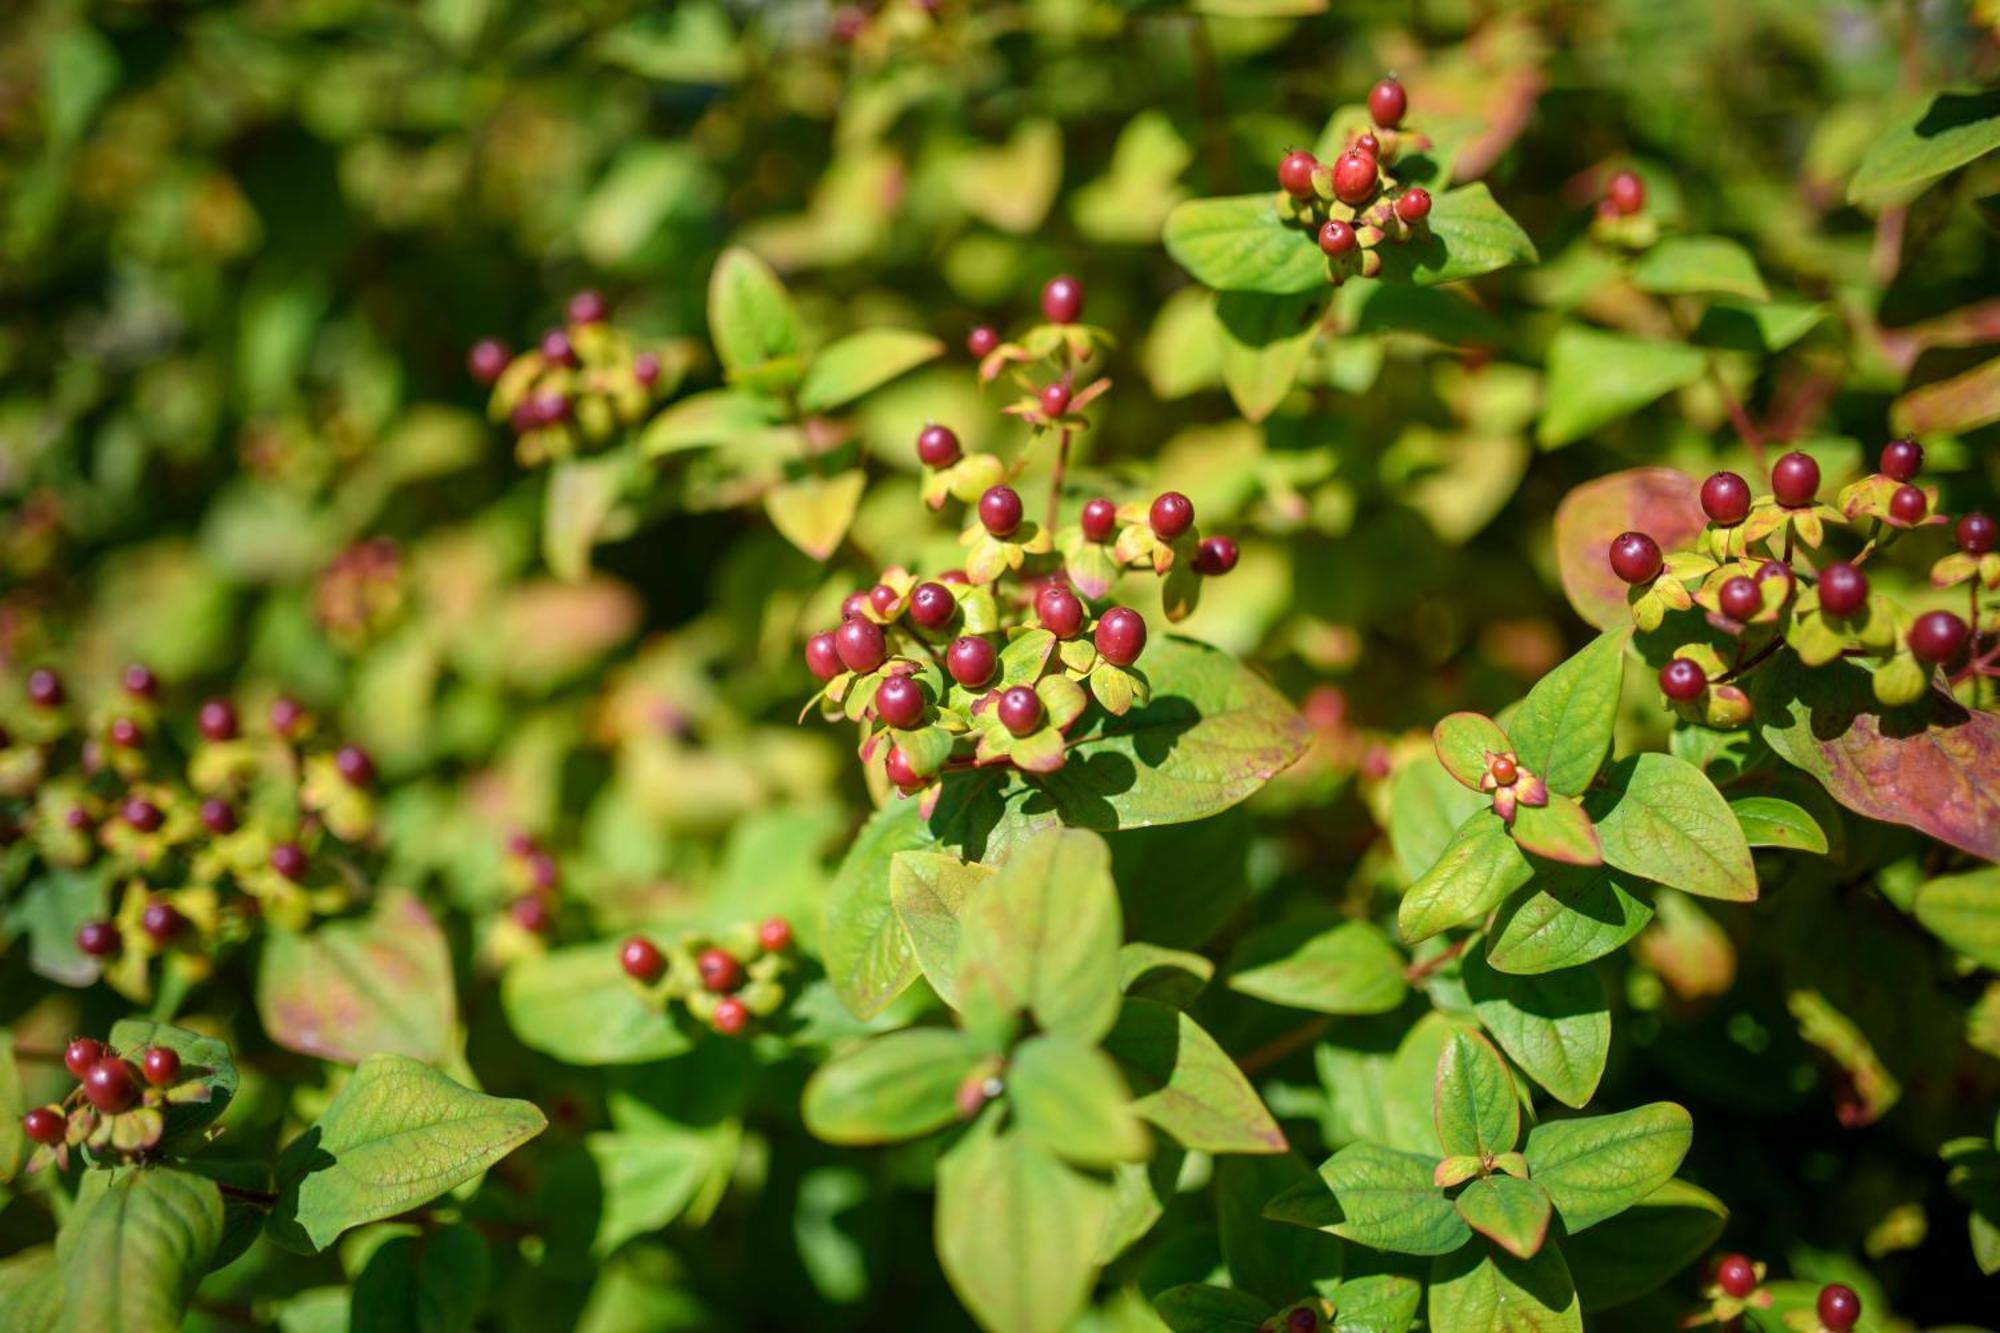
<point>1478,1290</point>
<point>929,891</point>
<point>1566,917</point>
<point>1473,1104</point>
<point>750,315</point>
<point>890,1088</point>
<point>1241,244</point>
<point>1638,1250</point>
<point>1465,743</point>
<point>1562,730</point>
<point>814,513</point>
<point>1381,1198</point>
<point>133,1252</point>
<point>1185,1083</point>
<point>1594,378</point>
<point>849,368</point>
<point>1047,927</point>
<point>1929,140</point>
<point>1596,1167</point>
<point>1480,867</point>
<point>1070,1098</point>
<point>1656,500</point>
<point>1513,1214</point>
<point>1265,339</point>
<point>1771,821</point>
<point>1466,235</point>
<point>1555,1026</point>
<point>1964,912</point>
<point>1199,1308</point>
<point>1559,831</point>
<point>1713,265</point>
<point>1659,816</point>
<point>354,988</point>
<point>577,1005</point>
<point>204,1060</point>
<point>1352,968</point>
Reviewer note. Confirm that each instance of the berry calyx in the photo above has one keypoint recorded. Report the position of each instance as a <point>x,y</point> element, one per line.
<point>731,1016</point>
<point>487,359</point>
<point>81,1054</point>
<point>982,340</point>
<point>1414,205</point>
<point>1062,299</point>
<point>354,766</point>
<point>160,1066</point>
<point>932,605</point>
<point>1387,102</point>
<point>125,733</point>
<point>1740,598</point>
<point>1909,505</point>
<point>162,922</point>
<point>45,688</point>
<point>289,860</point>
<point>900,702</point>
<point>642,960</point>
<point>556,348</point>
<point>1626,193</point>
<point>1055,399</point>
<point>1171,515</point>
<point>111,1087</point>
<point>937,446</point>
<point>1839,1308</point>
<point>1795,480</point>
<point>142,815</point>
<point>1000,510</point>
<point>822,658</point>
<point>217,720</point>
<point>587,307</point>
<point>900,771</point>
<point>1121,635</point>
<point>1354,177</point>
<point>1215,555</point>
<point>1902,459</point>
<point>45,1125</point>
<point>1059,610</point>
<point>1336,238</point>
<point>720,972</point>
<point>775,934</point>
<point>1977,533</point>
<point>1725,498</point>
<point>1937,637</point>
<point>1100,519</point>
<point>860,645</point>
<point>140,682</point>
<point>1843,589</point>
<point>1736,1275</point>
<point>1295,174</point>
<point>1682,680</point>
<point>971,660</point>
<point>1020,710</point>
<point>1635,557</point>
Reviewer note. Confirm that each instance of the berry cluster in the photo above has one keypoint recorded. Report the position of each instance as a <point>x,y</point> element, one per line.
<point>1353,204</point>
<point>722,981</point>
<point>583,381</point>
<point>1748,579</point>
<point>359,596</point>
<point>530,877</point>
<point>1737,1285</point>
<point>117,1107</point>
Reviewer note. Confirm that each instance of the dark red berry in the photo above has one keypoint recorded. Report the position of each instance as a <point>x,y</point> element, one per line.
<point>775,934</point>
<point>860,645</point>
<point>1725,498</point>
<point>289,860</point>
<point>124,732</point>
<point>45,688</point>
<point>1902,459</point>
<point>287,715</point>
<point>849,22</point>
<point>487,360</point>
<point>1000,510</point>
<point>883,598</point>
<point>556,348</point>
<point>932,605</point>
<point>642,960</point>
<point>1736,1275</point>
<point>160,1066</point>
<point>1121,635</point>
<point>587,307</point>
<point>218,816</point>
<point>217,720</point>
<point>855,606</point>
<point>900,771</point>
<point>1977,533</point>
<point>162,922</point>
<point>1020,710</point>
<point>45,1125</point>
<point>1635,557</point>
<point>1336,238</point>
<point>1843,589</point>
<point>1100,518</point>
<point>731,1016</point>
<point>1367,143</point>
<point>1937,637</point>
<point>1387,102</point>
<point>1682,680</point>
<point>1055,398</point>
<point>646,369</point>
<point>1354,177</point>
<point>142,814</point>
<point>1414,205</point>
<point>982,340</point>
<point>111,1087</point>
<point>1795,480</point>
<point>1059,610</point>
<point>140,682</point>
<point>719,970</point>
<point>531,913</point>
<point>937,446</point>
<point>1839,1308</point>
<point>549,408</point>
<point>1171,515</point>
<point>1908,505</point>
<point>899,702</point>
<point>76,817</point>
<point>1301,1321</point>
<point>354,766</point>
<point>1215,555</point>
<point>1295,174</point>
<point>1739,597</point>
<point>541,871</point>
<point>1626,193</point>
<point>971,660</point>
<point>1062,300</point>
<point>1505,770</point>
<point>81,1054</point>
<point>822,658</point>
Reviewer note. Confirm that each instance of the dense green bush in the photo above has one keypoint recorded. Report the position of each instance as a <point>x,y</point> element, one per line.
<point>619,710</point>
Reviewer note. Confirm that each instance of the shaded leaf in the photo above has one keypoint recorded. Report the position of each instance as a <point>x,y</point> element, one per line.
<point>1381,1198</point>
<point>1964,912</point>
<point>1513,1214</point>
<point>1069,1097</point>
<point>1638,1250</point>
<point>1940,136</point>
<point>1594,378</point>
<point>1555,1026</point>
<point>1047,928</point>
<point>1568,916</point>
<point>133,1252</point>
<point>1481,1291</point>
<point>1186,1084</point>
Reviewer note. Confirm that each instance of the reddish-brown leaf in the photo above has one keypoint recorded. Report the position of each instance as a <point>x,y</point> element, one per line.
<point>1660,501</point>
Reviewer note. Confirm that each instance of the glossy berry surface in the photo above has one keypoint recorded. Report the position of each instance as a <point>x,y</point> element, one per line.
<point>642,960</point>
<point>900,702</point>
<point>556,348</point>
<point>125,733</point>
<point>1336,238</point>
<point>1909,505</point>
<point>932,605</point>
<point>160,1066</point>
<point>111,1087</point>
<point>1725,498</point>
<point>1121,635</point>
<point>287,715</point>
<point>1353,177</point>
<point>860,644</point>
<point>1059,610</point>
<point>1626,193</point>
<point>1100,519</point>
<point>354,765</point>
<point>289,860</point>
<point>587,307</point>
<point>883,598</point>
<point>1736,1275</point>
<point>1000,510</point>
<point>45,688</point>
<point>1938,636</point>
<point>1062,300</point>
<point>217,720</point>
<point>646,369</point>
<point>1504,770</point>
<point>720,972</point>
<point>822,658</point>
<point>1682,680</point>
<point>1795,480</point>
<point>1055,399</point>
<point>81,1054</point>
<point>1740,598</point>
<point>937,446</point>
<point>1295,174</point>
<point>1020,710</point>
<point>532,914</point>
<point>1414,205</point>
<point>971,660</point>
<point>140,682</point>
<point>1839,1308</point>
<point>901,773</point>
<point>1301,1321</point>
<point>774,934</point>
<point>1977,533</point>
<point>162,922</point>
<point>1902,459</point>
<point>982,340</point>
<point>487,359</point>
<point>142,815</point>
<point>1387,102</point>
<point>1843,589</point>
<point>855,606</point>
<point>1216,555</point>
<point>45,1125</point>
<point>731,1017</point>
<point>1171,515</point>
<point>1635,557</point>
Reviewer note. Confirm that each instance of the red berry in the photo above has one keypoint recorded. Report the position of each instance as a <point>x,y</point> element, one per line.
<point>1059,610</point>
<point>1367,143</point>
<point>1635,557</point>
<point>1295,174</point>
<point>1505,771</point>
<point>1215,555</point>
<point>1387,102</point>
<point>140,682</point>
<point>1795,480</point>
<point>822,658</point>
<point>218,816</point>
<point>111,1087</point>
<point>1902,459</point>
<point>1725,498</point>
<point>848,23</point>
<point>982,340</point>
<point>1843,589</point>
<point>642,960</point>
<point>45,1125</point>
<point>1055,399</point>
<point>1062,300</point>
<point>125,733</point>
<point>1301,1321</point>
<point>971,660</point>
<point>217,720</point>
<point>541,871</point>
<point>1336,238</point>
<point>287,715</point>
<point>142,815</point>
<point>1354,177</point>
<point>775,934</point>
<point>548,408</point>
<point>45,689</point>
<point>855,606</point>
<point>289,860</point>
<point>1739,597</point>
<point>161,922</point>
<point>487,360</point>
<point>900,771</point>
<point>731,1016</point>
<point>1100,517</point>
<point>883,598</point>
<point>932,605</point>
<point>956,578</point>
<point>1000,510</point>
<point>556,348</point>
<point>646,369</point>
<point>1777,569</point>
<point>859,643</point>
<point>1736,1275</point>
<point>937,446</point>
<point>531,913</point>
<point>1020,710</point>
<point>719,970</point>
<point>1908,505</point>
<point>1839,1307</point>
<point>1937,637</point>
<point>160,1066</point>
<point>1626,193</point>
<point>1171,515</point>
<point>81,1054</point>
<point>1121,635</point>
<point>1682,680</point>
<point>1977,533</point>
<point>900,702</point>
<point>76,817</point>
<point>587,307</point>
<point>354,766</point>
<point>1414,205</point>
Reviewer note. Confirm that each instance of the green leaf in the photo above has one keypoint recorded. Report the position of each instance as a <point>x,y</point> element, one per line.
<point>1964,912</point>
<point>929,891</point>
<point>1473,1105</point>
<point>1069,1097</point>
<point>1568,916</point>
<point>433,1283</point>
<point>1241,244</point>
<point>814,513</point>
<point>578,1005</point>
<point>204,1060</point>
<point>1660,500</point>
<point>348,989</point>
<point>866,951</point>
<point>1595,378</point>
<point>1377,1303</point>
<point>1556,1026</point>
<point>1480,1291</point>
<point>582,494</point>
<point>1265,339</point>
<point>1559,831</point>
<point>133,1252</point>
<point>1480,867</point>
<point>1598,1166</point>
<point>1562,730</point>
<point>13,1105</point>
<point>899,1086</point>
<point>1381,1198</point>
<point>1351,968</point>
<point>1513,1214</point>
<point>1426,807</point>
<point>1942,135</point>
<point>1198,1308</point>
<point>650,1177</point>
<point>1770,821</point>
<point>1465,744</point>
<point>862,361</point>
<point>750,315</point>
<point>1710,264</point>
<point>1171,976</point>
<point>1659,816</point>
<point>1758,327</point>
<point>1466,235</point>
<point>397,1135</point>
<point>1638,1250</point>
<point>31,1291</point>
<point>704,420</point>
<point>1047,929</point>
<point>1017,1231</point>
<point>1185,1083</point>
